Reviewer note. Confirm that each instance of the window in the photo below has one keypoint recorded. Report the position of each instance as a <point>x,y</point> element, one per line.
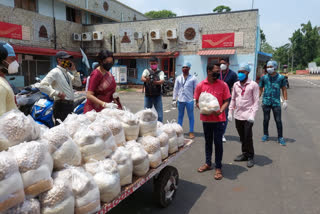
<point>43,32</point>
<point>73,15</point>
<point>30,5</point>
<point>96,19</point>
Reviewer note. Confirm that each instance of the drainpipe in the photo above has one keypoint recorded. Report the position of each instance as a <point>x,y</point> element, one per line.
<point>54,26</point>
<point>87,15</point>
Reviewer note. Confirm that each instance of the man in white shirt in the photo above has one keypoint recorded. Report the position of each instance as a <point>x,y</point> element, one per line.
<point>153,78</point>
<point>58,84</point>
<point>183,93</point>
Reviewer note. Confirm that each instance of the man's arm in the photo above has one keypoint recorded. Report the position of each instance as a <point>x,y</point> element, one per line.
<point>144,77</point>
<point>161,81</point>
<point>232,102</point>
<point>284,93</point>
<point>176,89</point>
<point>75,77</point>
<point>3,98</point>
<point>260,91</point>
<point>256,95</point>
<point>45,84</point>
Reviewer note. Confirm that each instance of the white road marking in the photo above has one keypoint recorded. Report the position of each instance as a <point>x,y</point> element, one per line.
<point>166,111</point>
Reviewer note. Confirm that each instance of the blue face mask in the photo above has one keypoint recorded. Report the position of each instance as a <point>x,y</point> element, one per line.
<point>242,76</point>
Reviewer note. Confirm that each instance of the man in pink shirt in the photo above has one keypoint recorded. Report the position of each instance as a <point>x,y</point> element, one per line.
<point>213,125</point>
<point>244,105</point>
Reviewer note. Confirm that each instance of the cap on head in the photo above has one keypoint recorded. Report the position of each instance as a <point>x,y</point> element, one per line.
<point>9,49</point>
<point>63,55</point>
<point>273,63</point>
<point>186,64</point>
<point>3,52</point>
<point>153,59</point>
<point>94,65</point>
<point>244,67</point>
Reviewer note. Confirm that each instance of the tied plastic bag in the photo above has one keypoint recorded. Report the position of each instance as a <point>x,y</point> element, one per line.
<point>63,149</point>
<point>117,130</point>
<point>113,113</point>
<point>140,159</point>
<point>173,140</point>
<point>73,122</point>
<point>59,199</point>
<point>91,144</point>
<point>84,188</point>
<point>164,141</point>
<point>11,191</point>
<point>123,158</point>
<point>130,123</point>
<point>91,115</point>
<point>208,103</point>
<point>152,147</point>
<point>29,206</point>
<point>179,130</point>
<point>35,165</point>
<point>148,122</point>
<point>106,174</point>
<point>16,128</point>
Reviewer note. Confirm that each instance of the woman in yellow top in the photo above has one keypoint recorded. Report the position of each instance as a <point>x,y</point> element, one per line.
<point>8,64</point>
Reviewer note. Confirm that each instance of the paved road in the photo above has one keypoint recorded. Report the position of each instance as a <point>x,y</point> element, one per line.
<point>285,180</point>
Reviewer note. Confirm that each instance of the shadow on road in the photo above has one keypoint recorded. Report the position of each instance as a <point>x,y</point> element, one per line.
<point>288,140</point>
<point>141,202</point>
<point>262,160</point>
<point>232,171</point>
<point>233,138</point>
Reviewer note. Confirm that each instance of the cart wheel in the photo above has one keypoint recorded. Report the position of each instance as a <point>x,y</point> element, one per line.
<point>166,185</point>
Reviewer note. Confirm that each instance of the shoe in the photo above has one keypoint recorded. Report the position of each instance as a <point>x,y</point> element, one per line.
<point>224,139</point>
<point>241,158</point>
<point>250,162</point>
<point>265,138</point>
<point>281,141</point>
<point>191,135</point>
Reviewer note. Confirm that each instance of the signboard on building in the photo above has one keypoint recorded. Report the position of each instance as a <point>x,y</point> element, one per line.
<point>223,40</point>
<point>13,31</point>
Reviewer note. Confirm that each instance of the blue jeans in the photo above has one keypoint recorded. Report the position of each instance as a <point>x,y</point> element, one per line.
<point>190,107</point>
<point>155,101</point>
<point>213,133</point>
<point>277,117</point>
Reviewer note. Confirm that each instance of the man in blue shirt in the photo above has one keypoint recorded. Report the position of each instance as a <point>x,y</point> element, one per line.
<point>183,96</point>
<point>230,77</point>
<point>270,85</point>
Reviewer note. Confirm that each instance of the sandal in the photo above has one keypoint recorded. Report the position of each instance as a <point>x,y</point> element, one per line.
<point>218,174</point>
<point>204,168</point>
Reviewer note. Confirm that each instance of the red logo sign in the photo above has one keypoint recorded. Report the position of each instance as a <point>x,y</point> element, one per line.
<point>11,31</point>
<point>224,40</point>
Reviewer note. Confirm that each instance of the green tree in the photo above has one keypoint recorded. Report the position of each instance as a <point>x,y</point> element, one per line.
<point>264,45</point>
<point>282,55</point>
<point>221,9</point>
<point>160,14</point>
<point>263,37</point>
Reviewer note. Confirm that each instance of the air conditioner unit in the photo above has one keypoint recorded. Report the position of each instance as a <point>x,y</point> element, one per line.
<point>86,36</point>
<point>97,35</point>
<point>137,35</point>
<point>171,33</point>
<point>155,34</point>
<point>76,37</point>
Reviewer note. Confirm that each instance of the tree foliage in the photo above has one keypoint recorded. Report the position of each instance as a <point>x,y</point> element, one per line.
<point>264,45</point>
<point>160,14</point>
<point>221,9</point>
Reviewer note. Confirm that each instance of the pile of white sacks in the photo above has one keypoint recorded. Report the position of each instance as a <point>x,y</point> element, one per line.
<point>72,167</point>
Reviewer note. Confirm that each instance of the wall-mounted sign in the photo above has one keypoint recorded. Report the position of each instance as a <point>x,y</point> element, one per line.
<point>224,40</point>
<point>13,31</point>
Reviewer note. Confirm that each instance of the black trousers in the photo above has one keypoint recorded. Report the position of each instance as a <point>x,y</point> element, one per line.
<point>61,109</point>
<point>244,129</point>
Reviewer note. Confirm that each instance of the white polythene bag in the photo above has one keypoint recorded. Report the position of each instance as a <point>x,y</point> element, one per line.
<point>208,103</point>
<point>123,158</point>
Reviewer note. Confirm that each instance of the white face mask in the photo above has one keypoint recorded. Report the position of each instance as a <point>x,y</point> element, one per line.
<point>13,67</point>
<point>270,70</point>
<point>223,67</point>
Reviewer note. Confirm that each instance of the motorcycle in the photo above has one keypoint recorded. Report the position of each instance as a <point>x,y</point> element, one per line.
<point>167,86</point>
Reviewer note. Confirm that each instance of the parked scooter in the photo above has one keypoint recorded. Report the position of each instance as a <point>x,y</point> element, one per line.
<point>167,86</point>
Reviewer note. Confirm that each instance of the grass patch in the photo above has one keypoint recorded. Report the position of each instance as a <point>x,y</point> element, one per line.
<point>126,90</point>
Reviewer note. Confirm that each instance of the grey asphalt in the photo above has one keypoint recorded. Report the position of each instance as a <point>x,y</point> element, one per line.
<point>284,180</point>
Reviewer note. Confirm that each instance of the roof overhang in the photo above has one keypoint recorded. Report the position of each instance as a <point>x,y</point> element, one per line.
<point>173,54</point>
<point>42,51</point>
<point>220,52</point>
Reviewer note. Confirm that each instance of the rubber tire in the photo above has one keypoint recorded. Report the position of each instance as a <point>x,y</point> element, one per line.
<point>161,181</point>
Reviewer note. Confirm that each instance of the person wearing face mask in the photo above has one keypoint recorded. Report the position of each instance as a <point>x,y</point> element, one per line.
<point>153,78</point>
<point>271,85</point>
<point>244,106</point>
<point>8,65</point>
<point>183,92</point>
<point>229,77</point>
<point>213,125</point>
<point>59,83</point>
<point>102,85</point>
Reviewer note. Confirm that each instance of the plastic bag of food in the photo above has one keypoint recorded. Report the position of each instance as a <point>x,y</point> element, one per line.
<point>84,188</point>
<point>123,158</point>
<point>63,149</point>
<point>152,147</point>
<point>179,131</point>
<point>106,175</point>
<point>140,159</point>
<point>91,115</point>
<point>173,141</point>
<point>113,113</point>
<point>74,121</point>
<point>60,198</point>
<point>17,128</point>
<point>35,165</point>
<point>208,103</point>
<point>117,130</point>
<point>11,185</point>
<point>159,124</point>
<point>164,140</point>
<point>130,123</point>
<point>29,206</point>
<point>91,144</point>
<point>148,122</point>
